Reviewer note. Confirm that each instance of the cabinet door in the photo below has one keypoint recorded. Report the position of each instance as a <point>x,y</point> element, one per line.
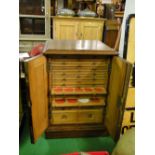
<point>65,30</point>
<point>37,77</point>
<point>91,30</point>
<point>118,87</point>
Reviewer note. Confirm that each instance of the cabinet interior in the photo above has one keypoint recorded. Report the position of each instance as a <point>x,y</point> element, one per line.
<point>78,89</point>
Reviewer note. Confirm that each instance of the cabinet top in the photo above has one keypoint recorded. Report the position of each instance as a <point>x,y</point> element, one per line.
<point>76,47</point>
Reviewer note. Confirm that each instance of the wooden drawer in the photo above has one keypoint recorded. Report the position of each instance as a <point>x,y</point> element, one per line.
<point>65,81</point>
<point>79,72</point>
<point>79,63</point>
<point>66,90</point>
<point>79,76</point>
<point>90,116</point>
<point>79,67</point>
<point>64,117</point>
<point>77,116</point>
<point>77,101</point>
<point>81,60</point>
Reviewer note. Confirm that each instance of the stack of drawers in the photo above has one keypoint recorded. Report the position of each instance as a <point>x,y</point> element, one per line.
<point>78,89</point>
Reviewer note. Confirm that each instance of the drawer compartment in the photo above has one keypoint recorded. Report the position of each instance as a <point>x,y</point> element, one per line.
<point>77,116</point>
<point>77,101</point>
<point>64,75</point>
<point>80,63</point>
<point>64,117</point>
<point>77,90</point>
<point>79,67</point>
<point>90,116</point>
<point>75,82</point>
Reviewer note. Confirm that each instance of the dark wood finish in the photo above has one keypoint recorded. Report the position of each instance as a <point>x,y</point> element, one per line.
<point>118,87</point>
<point>111,32</point>
<point>76,131</point>
<point>77,47</point>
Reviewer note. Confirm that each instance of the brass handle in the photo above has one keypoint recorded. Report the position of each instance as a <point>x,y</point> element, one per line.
<point>63,116</point>
<point>81,35</point>
<point>63,79</point>
<point>63,63</point>
<point>90,115</point>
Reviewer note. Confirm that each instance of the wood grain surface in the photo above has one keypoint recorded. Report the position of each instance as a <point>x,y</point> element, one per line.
<point>75,47</point>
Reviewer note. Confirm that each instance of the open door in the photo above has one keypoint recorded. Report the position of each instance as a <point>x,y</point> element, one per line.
<point>37,78</point>
<point>118,86</point>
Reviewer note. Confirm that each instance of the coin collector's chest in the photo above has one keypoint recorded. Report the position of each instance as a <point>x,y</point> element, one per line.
<point>77,88</point>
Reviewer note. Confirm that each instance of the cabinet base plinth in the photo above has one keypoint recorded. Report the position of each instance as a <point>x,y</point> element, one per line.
<point>73,131</point>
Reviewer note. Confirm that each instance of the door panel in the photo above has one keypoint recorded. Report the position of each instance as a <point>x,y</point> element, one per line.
<point>118,86</point>
<point>91,31</point>
<point>66,30</point>
<point>37,77</point>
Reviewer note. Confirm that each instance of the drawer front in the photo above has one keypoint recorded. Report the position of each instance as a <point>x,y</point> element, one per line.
<point>79,67</point>
<point>65,82</point>
<point>81,60</point>
<point>62,75</point>
<point>68,72</point>
<point>77,101</point>
<point>77,116</point>
<point>90,116</point>
<point>58,64</point>
<point>79,63</point>
<point>65,90</point>
<point>64,117</point>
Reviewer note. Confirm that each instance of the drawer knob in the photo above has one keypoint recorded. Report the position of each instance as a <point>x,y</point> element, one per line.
<point>90,115</point>
<point>64,79</point>
<point>63,63</point>
<point>64,117</point>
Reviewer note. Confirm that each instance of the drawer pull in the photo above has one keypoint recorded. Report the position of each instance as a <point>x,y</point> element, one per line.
<point>64,117</point>
<point>63,63</point>
<point>90,115</point>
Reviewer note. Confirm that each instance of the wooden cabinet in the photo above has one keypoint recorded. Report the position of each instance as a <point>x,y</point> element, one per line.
<point>91,30</point>
<point>75,28</point>
<point>111,32</point>
<point>65,30</point>
<point>77,88</point>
